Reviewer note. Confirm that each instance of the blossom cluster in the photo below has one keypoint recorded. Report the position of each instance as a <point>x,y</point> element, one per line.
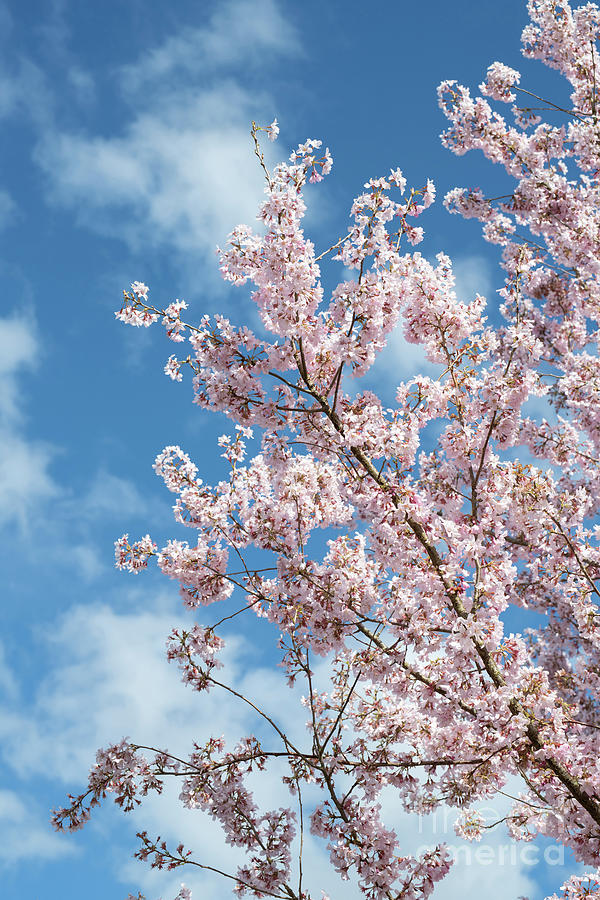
<point>119,770</point>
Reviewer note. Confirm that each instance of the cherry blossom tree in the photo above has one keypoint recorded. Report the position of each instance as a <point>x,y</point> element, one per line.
<point>432,533</point>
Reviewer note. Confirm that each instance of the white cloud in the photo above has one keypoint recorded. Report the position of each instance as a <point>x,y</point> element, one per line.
<point>86,559</point>
<point>26,832</point>
<point>182,173</point>
<point>25,481</point>
<point>55,31</point>
<point>539,408</point>
<point>109,494</point>
<point>473,275</point>
<point>401,360</point>
<point>19,349</point>
<point>239,32</point>
<point>176,183</point>
<point>109,678</point>
<point>24,91</point>
<point>83,84</point>
<point>182,182</point>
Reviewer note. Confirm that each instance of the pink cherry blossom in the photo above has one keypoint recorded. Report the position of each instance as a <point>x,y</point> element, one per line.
<point>273,130</point>
<point>500,79</point>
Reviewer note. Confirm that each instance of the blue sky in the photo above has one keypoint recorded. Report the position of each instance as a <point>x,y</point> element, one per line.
<point>126,156</point>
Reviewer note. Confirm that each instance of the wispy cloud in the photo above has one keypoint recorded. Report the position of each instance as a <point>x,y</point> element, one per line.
<point>19,351</point>
<point>182,181</point>
<point>473,275</point>
<point>181,173</point>
<point>25,479</point>
<point>108,676</point>
<point>110,494</point>
<point>26,835</point>
<point>31,498</point>
<point>239,33</point>
<point>24,92</point>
